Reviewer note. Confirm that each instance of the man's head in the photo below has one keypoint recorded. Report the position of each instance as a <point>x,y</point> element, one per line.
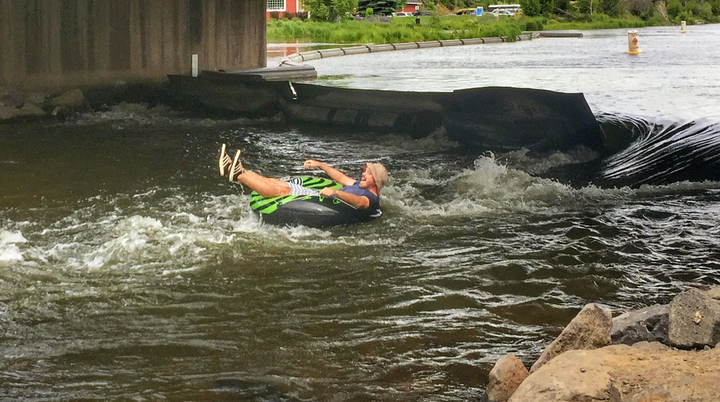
<point>374,173</point>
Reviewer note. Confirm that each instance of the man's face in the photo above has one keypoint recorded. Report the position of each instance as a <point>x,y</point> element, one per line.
<point>367,180</point>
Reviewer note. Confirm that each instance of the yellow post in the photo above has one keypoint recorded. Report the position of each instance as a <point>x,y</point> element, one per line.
<point>682,27</point>
<point>633,43</point>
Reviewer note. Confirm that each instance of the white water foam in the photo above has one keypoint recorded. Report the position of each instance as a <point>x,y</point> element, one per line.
<point>170,236</point>
<point>488,187</point>
<point>126,115</point>
<point>185,232</point>
<point>540,164</point>
<point>9,250</point>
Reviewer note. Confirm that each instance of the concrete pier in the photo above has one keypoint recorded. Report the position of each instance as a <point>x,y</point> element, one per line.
<point>48,45</point>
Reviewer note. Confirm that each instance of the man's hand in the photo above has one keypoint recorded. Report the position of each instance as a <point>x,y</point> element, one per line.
<point>334,174</point>
<point>312,164</point>
<point>356,200</point>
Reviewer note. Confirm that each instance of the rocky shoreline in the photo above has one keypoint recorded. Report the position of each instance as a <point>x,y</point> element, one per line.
<point>18,106</point>
<point>661,353</point>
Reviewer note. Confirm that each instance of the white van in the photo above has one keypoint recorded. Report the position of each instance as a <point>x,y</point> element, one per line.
<point>504,9</point>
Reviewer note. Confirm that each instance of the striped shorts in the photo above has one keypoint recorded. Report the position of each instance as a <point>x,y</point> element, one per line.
<point>296,188</point>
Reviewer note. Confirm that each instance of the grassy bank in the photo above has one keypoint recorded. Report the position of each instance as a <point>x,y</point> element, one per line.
<point>433,28</point>
<point>399,30</point>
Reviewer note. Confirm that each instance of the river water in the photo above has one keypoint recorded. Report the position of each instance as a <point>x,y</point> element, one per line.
<point>130,271</point>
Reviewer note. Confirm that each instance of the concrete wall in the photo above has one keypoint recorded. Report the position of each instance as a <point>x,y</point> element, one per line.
<point>56,44</point>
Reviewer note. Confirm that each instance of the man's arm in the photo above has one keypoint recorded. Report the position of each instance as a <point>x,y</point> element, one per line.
<point>352,199</point>
<point>334,174</point>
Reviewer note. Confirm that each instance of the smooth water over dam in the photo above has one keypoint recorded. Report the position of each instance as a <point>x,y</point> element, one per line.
<point>130,270</point>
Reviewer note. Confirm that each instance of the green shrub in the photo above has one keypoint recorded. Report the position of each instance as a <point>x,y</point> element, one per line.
<point>703,10</point>
<point>547,6</point>
<point>674,8</point>
<point>380,7</point>
<point>531,8</point>
<point>586,6</point>
<point>562,5</point>
<point>610,7</point>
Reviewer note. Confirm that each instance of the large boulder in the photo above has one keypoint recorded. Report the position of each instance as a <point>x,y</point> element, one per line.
<point>30,109</point>
<point>694,319</point>
<point>648,324</point>
<point>624,373</point>
<point>72,100</point>
<point>590,329</point>
<point>12,99</point>
<point>713,293</point>
<point>507,374</point>
<point>9,113</point>
<point>35,98</point>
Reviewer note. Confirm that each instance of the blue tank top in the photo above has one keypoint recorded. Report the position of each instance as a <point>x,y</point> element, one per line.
<point>355,189</point>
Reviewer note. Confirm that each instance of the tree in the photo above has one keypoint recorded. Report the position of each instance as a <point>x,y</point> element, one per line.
<point>612,8</point>
<point>547,6</point>
<point>329,10</point>
<point>380,7</point>
<point>586,6</point>
<point>531,8</point>
<point>561,5</point>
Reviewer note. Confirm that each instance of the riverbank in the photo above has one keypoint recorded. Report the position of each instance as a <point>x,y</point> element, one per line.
<point>660,353</point>
<point>405,29</point>
<point>19,106</point>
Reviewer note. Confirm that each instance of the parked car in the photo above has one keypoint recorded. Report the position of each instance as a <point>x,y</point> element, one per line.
<point>503,13</point>
<point>421,13</point>
<point>466,11</point>
<point>402,14</point>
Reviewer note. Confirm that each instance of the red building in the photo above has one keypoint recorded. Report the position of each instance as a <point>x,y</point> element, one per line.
<point>411,6</point>
<point>283,6</point>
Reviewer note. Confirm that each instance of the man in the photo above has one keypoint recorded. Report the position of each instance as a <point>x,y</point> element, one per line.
<point>363,193</point>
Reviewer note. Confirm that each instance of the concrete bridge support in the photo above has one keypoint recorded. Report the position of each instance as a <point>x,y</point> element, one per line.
<point>50,45</point>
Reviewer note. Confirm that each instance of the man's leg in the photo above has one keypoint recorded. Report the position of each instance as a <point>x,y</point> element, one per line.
<point>268,187</point>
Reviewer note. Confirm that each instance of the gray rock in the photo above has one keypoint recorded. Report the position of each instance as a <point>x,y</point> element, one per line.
<point>694,320</point>
<point>12,99</point>
<point>624,373</point>
<point>714,293</point>
<point>36,99</point>
<point>8,113</point>
<point>505,377</point>
<point>651,346</point>
<point>590,329</point>
<point>647,324</point>
<point>30,109</point>
<point>72,100</point>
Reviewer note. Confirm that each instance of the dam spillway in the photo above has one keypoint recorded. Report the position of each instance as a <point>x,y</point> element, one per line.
<point>491,117</point>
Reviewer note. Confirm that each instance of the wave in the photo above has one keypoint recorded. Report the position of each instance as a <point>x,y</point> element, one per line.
<point>182,231</point>
<point>10,251</point>
<point>495,184</point>
<point>131,115</point>
<point>179,232</point>
<point>661,152</point>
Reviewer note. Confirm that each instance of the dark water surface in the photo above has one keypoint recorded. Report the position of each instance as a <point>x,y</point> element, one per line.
<point>130,271</point>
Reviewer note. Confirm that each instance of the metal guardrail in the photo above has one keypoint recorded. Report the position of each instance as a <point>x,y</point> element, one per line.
<point>301,57</point>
